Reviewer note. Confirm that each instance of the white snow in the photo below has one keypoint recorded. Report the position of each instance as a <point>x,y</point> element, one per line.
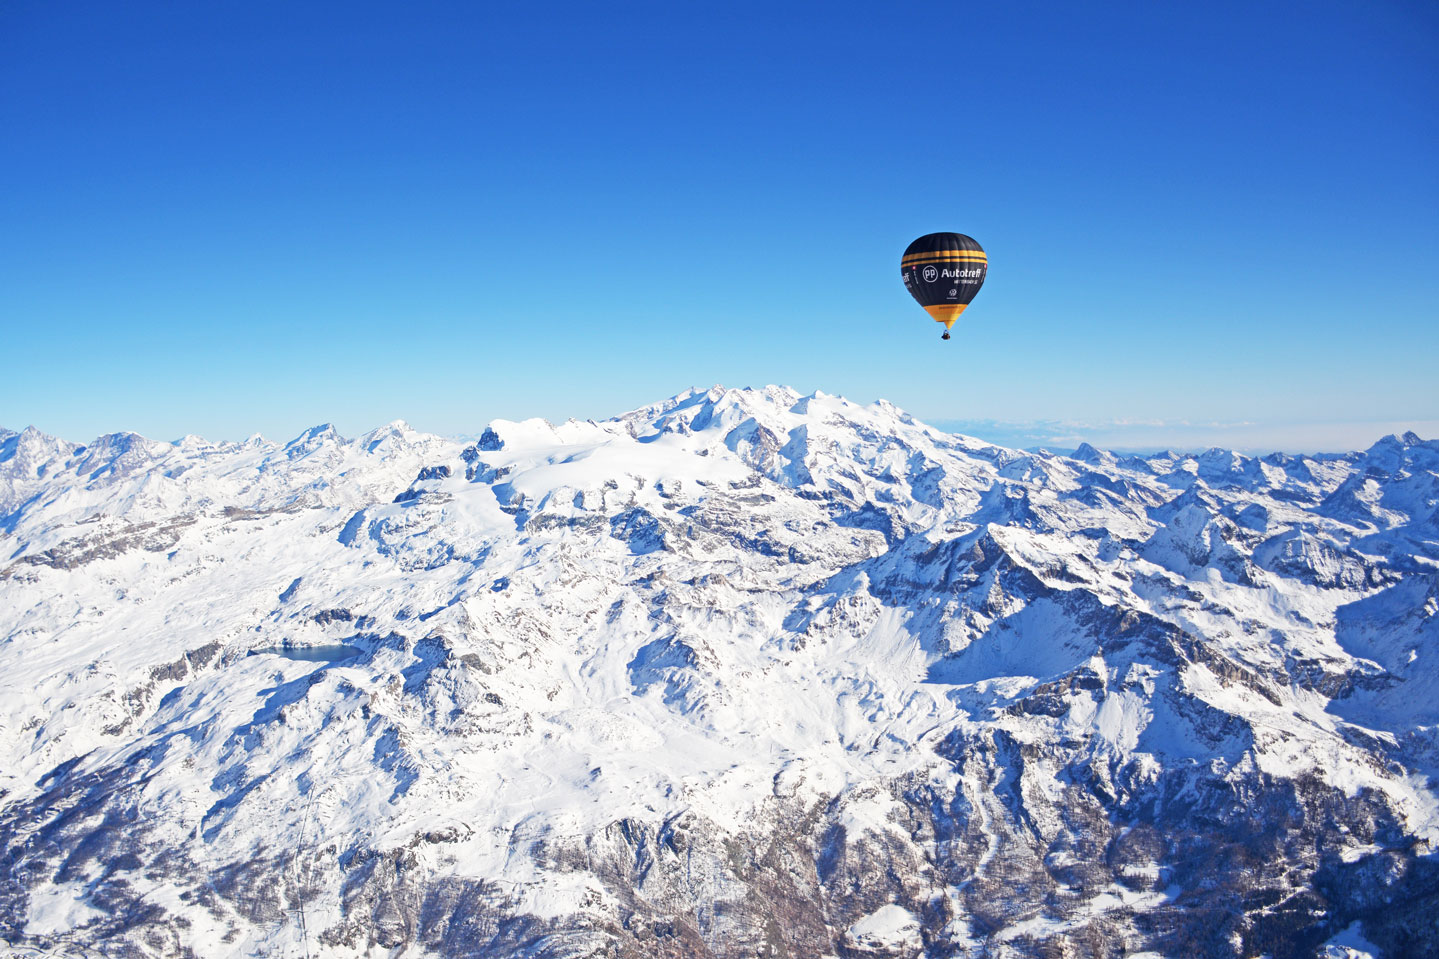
<point>888,926</point>
<point>1350,944</point>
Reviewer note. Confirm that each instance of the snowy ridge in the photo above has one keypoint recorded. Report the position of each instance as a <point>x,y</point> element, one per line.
<point>740,672</point>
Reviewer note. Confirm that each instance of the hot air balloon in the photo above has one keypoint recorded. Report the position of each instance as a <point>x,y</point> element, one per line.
<point>943,272</point>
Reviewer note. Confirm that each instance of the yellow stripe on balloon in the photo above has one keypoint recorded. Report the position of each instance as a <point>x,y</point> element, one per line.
<point>946,313</point>
<point>974,256</point>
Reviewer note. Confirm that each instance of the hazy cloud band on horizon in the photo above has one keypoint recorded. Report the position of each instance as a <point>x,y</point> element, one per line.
<point>1150,435</point>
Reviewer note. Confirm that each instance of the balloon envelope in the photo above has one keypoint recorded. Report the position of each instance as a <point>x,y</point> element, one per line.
<point>943,272</point>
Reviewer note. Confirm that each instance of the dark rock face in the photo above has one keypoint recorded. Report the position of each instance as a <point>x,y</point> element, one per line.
<point>490,442</point>
<point>740,674</point>
<point>640,529</point>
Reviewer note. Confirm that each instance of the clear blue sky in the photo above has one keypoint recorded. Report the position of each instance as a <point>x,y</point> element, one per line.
<point>229,217</point>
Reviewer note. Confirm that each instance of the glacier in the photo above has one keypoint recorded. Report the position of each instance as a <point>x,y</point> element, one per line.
<point>741,673</point>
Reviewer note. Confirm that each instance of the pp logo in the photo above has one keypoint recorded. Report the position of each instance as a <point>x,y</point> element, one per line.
<point>931,274</point>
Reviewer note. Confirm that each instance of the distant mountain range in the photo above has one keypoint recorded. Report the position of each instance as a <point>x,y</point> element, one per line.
<point>742,673</point>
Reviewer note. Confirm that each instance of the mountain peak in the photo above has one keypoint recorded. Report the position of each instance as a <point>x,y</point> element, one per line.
<point>1086,453</point>
<point>323,433</point>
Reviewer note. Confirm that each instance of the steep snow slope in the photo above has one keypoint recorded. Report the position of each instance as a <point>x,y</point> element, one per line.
<point>743,672</point>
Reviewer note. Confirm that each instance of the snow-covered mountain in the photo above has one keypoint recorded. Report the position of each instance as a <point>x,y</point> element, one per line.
<point>743,673</point>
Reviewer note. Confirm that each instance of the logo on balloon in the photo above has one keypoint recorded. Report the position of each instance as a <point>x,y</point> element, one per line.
<point>930,274</point>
